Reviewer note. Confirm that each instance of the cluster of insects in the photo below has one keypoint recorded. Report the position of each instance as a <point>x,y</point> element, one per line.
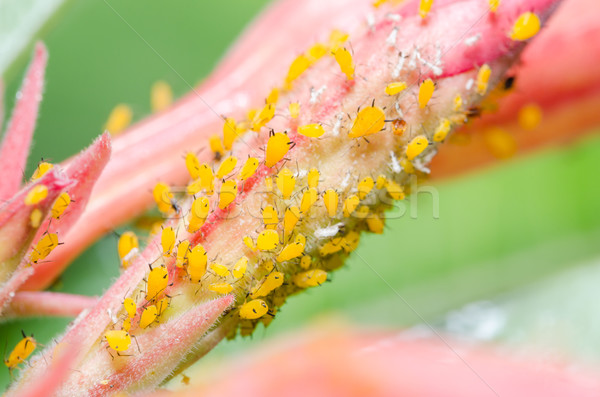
<point>309,221</point>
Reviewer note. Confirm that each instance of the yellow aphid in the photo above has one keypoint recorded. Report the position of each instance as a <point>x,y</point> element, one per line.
<point>380,182</point>
<point>394,190</point>
<point>219,269</point>
<point>375,224</point>
<point>362,212</point>
<point>277,147</point>
<point>226,167</point>
<point>249,168</point>
<point>305,262</point>
<point>365,186</point>
<point>249,242</point>
<point>331,200</point>
<point>167,240</point>
<point>458,102</point>
<point>118,119</point>
<point>36,194</point>
<point>127,243</point>
<point>216,145</point>
<point>118,340</point>
<point>267,266</point>
<point>286,183</point>
<point>35,218</point>
<point>227,194</point>
<point>193,165</point>
<point>270,218</point>
<point>273,96</point>
<point>254,309</point>
<point>311,130</point>
<point>416,146</point>
<point>344,59</point>
<point>290,219</point>
<point>197,260</point>
<point>530,116</point>
<point>268,184</point>
<point>126,326</point>
<point>525,27</point>
<point>395,88</point>
<point>163,197</point>
<point>316,52</point>
<point>21,352</point>
<point>230,133</point>
<point>41,170</point>
<point>265,115</point>
<point>331,247</point>
<point>292,250</point>
<point>239,269</point>
<point>494,5</point>
<point>378,3</point>
<point>298,66</point>
<point>399,127</point>
<point>407,166</point>
<point>309,197</point>
<point>313,177</point>
<point>294,109</point>
<point>442,130</point>
<point>130,307</point>
<point>60,205</point>
<point>221,288</point>
<point>198,214</point>
<point>44,247</point>
<point>272,281</point>
<point>158,280</point>
<point>148,316</point>
<point>206,178</point>
<point>350,205</point>
<point>310,278</point>
<point>161,96</point>
<point>369,120</point>
<point>425,7</point>
<point>337,38</point>
<point>267,240</point>
<point>425,92</point>
<point>183,249</point>
<point>350,241</point>
<point>483,79</point>
<point>500,143</point>
<point>162,305</point>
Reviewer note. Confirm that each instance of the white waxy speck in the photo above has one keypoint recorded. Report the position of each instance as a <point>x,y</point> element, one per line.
<point>345,181</point>
<point>301,173</point>
<point>328,231</point>
<point>396,167</point>
<point>391,39</point>
<point>469,84</point>
<point>470,41</point>
<point>338,124</point>
<point>371,21</point>
<point>399,110</point>
<point>112,317</point>
<point>393,17</point>
<point>399,66</point>
<point>316,94</point>
<point>412,63</point>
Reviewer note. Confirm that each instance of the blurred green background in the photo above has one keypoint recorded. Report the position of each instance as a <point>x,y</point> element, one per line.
<point>513,258</point>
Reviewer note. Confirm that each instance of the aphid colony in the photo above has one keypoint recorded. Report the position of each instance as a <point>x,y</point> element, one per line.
<point>310,218</point>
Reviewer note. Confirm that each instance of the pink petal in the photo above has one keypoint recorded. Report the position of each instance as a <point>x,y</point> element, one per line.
<point>15,146</point>
<point>84,170</point>
<point>342,363</point>
<point>43,303</point>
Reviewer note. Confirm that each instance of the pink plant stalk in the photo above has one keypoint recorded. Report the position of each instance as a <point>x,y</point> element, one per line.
<point>243,77</point>
<point>29,216</point>
<point>235,246</point>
